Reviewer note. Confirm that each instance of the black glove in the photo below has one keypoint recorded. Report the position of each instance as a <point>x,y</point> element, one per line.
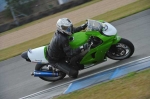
<point>83,26</point>
<point>84,47</point>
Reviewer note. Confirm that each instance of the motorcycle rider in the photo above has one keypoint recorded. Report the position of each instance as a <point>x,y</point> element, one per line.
<point>59,48</point>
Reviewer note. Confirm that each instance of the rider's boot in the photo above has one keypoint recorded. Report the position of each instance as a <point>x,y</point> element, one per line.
<point>63,66</point>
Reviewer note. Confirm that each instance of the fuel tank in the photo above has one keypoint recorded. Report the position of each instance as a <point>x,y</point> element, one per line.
<point>78,39</point>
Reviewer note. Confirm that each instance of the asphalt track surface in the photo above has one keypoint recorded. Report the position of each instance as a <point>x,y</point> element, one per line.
<point>15,79</point>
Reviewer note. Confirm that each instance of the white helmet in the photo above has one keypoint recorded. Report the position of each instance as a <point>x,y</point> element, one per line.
<point>64,25</point>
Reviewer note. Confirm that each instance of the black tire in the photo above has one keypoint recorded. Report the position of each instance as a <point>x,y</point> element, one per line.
<point>40,67</point>
<point>122,50</point>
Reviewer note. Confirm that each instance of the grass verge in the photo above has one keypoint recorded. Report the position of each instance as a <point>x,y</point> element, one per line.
<point>128,87</point>
<point>109,16</point>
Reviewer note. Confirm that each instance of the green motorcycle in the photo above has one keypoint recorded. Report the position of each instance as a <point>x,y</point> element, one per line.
<point>103,40</point>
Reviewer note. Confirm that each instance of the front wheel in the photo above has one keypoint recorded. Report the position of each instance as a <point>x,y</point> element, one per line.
<point>122,50</point>
<point>44,67</point>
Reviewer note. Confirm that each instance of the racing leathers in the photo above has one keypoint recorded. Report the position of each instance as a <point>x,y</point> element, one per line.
<point>59,49</point>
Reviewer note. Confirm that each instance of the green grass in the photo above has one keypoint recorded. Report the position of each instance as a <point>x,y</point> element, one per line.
<point>133,86</point>
<point>49,17</point>
<point>110,16</point>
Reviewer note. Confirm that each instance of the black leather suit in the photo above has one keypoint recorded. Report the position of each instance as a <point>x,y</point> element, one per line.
<point>59,49</point>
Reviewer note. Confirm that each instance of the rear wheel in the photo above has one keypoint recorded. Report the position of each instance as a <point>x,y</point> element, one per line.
<point>44,67</point>
<point>122,50</point>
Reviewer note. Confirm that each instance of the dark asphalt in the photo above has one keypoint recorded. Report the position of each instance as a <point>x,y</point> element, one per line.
<point>15,79</point>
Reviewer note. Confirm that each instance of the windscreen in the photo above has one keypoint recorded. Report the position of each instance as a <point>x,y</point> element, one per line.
<point>94,25</point>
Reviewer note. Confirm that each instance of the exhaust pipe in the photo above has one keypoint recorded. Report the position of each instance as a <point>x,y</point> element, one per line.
<point>44,74</point>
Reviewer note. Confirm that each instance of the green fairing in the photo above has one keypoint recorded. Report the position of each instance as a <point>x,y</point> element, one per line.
<point>78,39</point>
<point>117,39</point>
<point>45,49</point>
<point>97,54</point>
<point>101,21</point>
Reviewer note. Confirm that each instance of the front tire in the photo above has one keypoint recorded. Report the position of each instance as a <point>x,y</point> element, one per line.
<point>122,50</point>
<point>44,67</point>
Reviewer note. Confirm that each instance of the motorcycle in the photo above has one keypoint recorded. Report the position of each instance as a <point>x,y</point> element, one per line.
<point>104,43</point>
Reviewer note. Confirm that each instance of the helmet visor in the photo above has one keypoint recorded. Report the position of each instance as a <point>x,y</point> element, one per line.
<point>66,29</point>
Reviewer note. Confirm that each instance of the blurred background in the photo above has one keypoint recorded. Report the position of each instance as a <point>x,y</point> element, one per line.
<point>14,13</point>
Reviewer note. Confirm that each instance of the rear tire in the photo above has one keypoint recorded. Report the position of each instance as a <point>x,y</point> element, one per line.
<point>122,50</point>
<point>44,67</point>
